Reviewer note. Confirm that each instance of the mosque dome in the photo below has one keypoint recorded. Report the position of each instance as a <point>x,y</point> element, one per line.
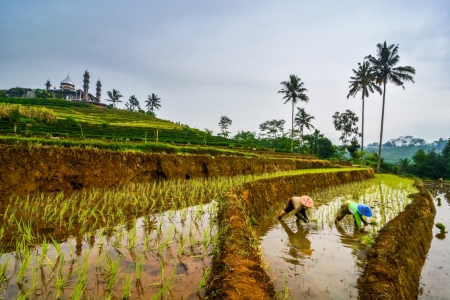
<point>68,81</point>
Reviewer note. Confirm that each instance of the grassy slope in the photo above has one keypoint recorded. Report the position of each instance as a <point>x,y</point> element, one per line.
<point>106,123</point>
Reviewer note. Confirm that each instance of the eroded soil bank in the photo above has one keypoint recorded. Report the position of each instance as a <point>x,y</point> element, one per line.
<point>26,170</point>
<point>237,271</point>
<point>394,263</point>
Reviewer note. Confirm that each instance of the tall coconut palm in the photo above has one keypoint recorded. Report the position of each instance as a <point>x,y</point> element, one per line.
<point>294,91</point>
<point>384,65</point>
<point>364,82</point>
<point>153,102</point>
<point>303,120</point>
<point>114,97</point>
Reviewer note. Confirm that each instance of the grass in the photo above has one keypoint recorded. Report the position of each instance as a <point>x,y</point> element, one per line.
<point>148,147</point>
<point>82,120</point>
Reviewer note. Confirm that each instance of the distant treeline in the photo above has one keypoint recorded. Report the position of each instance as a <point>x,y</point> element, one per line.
<point>410,141</point>
<point>429,164</point>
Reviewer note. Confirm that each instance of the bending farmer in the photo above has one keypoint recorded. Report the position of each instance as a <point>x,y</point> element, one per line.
<point>299,205</point>
<point>355,209</point>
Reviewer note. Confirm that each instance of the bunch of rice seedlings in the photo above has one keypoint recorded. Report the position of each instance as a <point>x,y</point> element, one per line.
<point>441,227</point>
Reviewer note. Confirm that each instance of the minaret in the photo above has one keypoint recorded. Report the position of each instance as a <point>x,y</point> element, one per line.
<point>48,85</point>
<point>99,90</point>
<point>86,86</point>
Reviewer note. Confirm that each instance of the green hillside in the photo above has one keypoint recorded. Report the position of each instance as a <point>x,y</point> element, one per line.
<point>393,154</point>
<point>105,123</point>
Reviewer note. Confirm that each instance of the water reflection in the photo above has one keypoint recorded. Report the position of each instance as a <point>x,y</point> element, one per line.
<point>299,245</point>
<point>352,241</point>
<point>440,235</point>
<point>436,272</point>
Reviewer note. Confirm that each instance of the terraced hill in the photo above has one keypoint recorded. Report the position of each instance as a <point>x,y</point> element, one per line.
<point>76,120</point>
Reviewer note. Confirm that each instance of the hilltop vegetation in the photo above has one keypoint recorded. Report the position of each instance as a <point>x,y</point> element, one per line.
<point>81,120</point>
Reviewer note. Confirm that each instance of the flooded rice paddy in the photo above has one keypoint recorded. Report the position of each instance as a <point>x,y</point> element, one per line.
<point>319,260</point>
<point>436,271</point>
<point>142,241</point>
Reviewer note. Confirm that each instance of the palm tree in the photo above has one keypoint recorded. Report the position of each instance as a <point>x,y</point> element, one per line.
<point>294,91</point>
<point>363,81</point>
<point>384,65</point>
<point>303,120</point>
<point>114,97</point>
<point>133,103</point>
<point>153,102</point>
<point>404,165</point>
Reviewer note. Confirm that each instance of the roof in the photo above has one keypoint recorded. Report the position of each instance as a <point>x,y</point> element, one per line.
<point>68,81</point>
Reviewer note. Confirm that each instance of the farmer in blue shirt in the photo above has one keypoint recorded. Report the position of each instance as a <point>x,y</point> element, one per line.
<point>356,209</point>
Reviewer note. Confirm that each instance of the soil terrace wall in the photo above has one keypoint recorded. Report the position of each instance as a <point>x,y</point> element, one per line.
<point>237,271</point>
<point>396,259</point>
<point>48,169</point>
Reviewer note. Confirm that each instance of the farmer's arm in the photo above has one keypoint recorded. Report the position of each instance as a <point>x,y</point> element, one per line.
<point>364,221</point>
<point>303,212</point>
<point>302,215</point>
<point>357,218</point>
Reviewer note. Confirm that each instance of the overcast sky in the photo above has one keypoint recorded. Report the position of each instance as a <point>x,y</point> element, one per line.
<point>207,59</point>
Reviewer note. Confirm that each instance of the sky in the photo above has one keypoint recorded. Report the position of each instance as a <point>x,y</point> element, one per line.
<point>207,59</point>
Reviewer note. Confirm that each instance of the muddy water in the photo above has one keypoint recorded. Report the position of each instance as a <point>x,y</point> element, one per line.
<point>435,278</point>
<point>174,249</point>
<point>313,262</point>
<point>320,260</point>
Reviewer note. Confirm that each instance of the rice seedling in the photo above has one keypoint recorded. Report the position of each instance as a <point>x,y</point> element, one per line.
<point>367,240</point>
<point>441,227</point>
<point>112,268</point>
<point>25,263</point>
<point>126,288</point>
<point>4,269</point>
<point>202,283</point>
<point>139,267</point>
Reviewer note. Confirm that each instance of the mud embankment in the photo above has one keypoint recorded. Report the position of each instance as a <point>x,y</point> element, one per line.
<point>237,271</point>
<point>48,169</point>
<point>396,259</point>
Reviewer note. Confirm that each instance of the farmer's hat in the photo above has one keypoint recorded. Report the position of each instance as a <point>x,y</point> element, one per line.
<point>364,210</point>
<point>306,201</point>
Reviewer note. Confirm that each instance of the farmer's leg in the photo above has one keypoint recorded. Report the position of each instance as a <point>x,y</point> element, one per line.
<point>289,207</point>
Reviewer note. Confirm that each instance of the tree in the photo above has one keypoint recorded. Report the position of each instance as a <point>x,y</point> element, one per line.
<point>303,120</point>
<point>132,103</point>
<point>224,124</point>
<point>41,93</point>
<point>153,102</point>
<point>346,123</point>
<point>364,82</point>
<point>403,165</point>
<point>246,137</point>
<point>208,133</point>
<point>384,66</point>
<point>272,127</point>
<point>294,91</point>
<point>114,97</point>
<point>3,94</point>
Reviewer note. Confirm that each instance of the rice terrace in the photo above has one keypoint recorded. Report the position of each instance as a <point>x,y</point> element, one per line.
<point>194,150</point>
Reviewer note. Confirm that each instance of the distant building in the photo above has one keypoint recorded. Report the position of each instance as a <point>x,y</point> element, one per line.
<point>66,91</point>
